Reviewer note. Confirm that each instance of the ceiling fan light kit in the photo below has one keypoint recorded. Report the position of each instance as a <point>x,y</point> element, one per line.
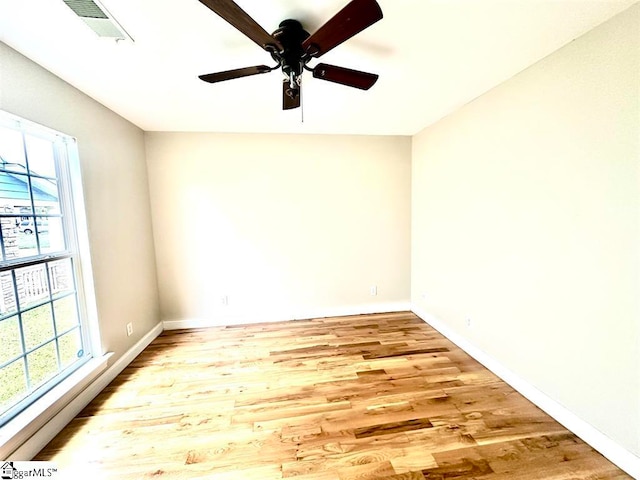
<point>292,47</point>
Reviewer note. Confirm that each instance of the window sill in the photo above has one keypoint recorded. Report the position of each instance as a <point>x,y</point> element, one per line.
<point>26,424</point>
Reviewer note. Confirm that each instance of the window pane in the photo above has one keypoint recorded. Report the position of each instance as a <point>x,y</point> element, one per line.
<point>40,155</point>
<point>70,347</point>
<point>8,303</point>
<point>14,192</point>
<point>61,274</point>
<point>66,313</point>
<point>51,234</point>
<point>27,245</point>
<point>27,225</point>
<point>10,335</point>
<point>45,196</point>
<point>43,364</point>
<point>37,325</point>
<point>14,384</point>
<point>14,199</point>
<point>32,284</point>
<point>11,150</point>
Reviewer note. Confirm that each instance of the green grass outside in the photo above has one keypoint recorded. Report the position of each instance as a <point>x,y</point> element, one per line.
<point>42,363</point>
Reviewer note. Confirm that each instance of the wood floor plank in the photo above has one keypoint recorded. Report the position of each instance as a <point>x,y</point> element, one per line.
<point>364,397</point>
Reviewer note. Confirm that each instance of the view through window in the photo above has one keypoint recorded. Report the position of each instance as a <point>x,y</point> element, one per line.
<point>43,332</point>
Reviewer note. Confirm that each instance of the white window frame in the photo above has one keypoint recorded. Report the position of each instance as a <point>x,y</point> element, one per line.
<point>46,405</point>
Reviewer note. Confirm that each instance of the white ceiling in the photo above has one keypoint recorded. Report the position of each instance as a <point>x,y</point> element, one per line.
<point>433,56</point>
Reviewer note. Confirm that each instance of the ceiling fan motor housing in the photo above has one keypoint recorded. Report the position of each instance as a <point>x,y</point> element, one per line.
<point>290,35</point>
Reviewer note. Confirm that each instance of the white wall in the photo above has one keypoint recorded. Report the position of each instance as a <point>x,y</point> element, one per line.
<point>526,219</point>
<point>286,226</point>
<point>116,193</point>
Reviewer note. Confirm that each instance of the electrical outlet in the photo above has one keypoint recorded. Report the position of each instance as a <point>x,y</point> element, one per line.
<point>468,322</point>
<point>373,290</point>
<point>129,329</point>
<point>225,300</point>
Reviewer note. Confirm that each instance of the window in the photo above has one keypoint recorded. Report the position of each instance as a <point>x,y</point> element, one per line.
<point>43,327</point>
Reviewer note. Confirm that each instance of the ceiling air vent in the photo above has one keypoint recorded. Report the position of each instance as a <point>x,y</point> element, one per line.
<point>98,19</point>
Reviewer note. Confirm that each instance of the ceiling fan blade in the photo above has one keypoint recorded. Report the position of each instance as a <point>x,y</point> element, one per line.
<point>290,97</point>
<point>232,13</point>
<point>345,76</point>
<point>237,73</point>
<point>351,20</point>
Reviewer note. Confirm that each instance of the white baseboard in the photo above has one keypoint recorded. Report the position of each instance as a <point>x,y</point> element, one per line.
<point>44,435</point>
<point>261,317</point>
<point>617,454</point>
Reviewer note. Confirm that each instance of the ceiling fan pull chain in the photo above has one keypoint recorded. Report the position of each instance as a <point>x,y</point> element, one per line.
<point>301,100</point>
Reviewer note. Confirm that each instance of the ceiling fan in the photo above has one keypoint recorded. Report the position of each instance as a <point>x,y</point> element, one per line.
<point>293,48</point>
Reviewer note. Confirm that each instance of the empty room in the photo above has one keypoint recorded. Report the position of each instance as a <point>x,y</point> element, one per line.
<point>332,240</point>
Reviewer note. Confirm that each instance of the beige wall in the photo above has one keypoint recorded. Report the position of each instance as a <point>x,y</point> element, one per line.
<point>526,220</point>
<point>116,193</point>
<point>286,226</point>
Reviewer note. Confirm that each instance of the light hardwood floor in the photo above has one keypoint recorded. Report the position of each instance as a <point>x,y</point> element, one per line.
<point>362,397</point>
